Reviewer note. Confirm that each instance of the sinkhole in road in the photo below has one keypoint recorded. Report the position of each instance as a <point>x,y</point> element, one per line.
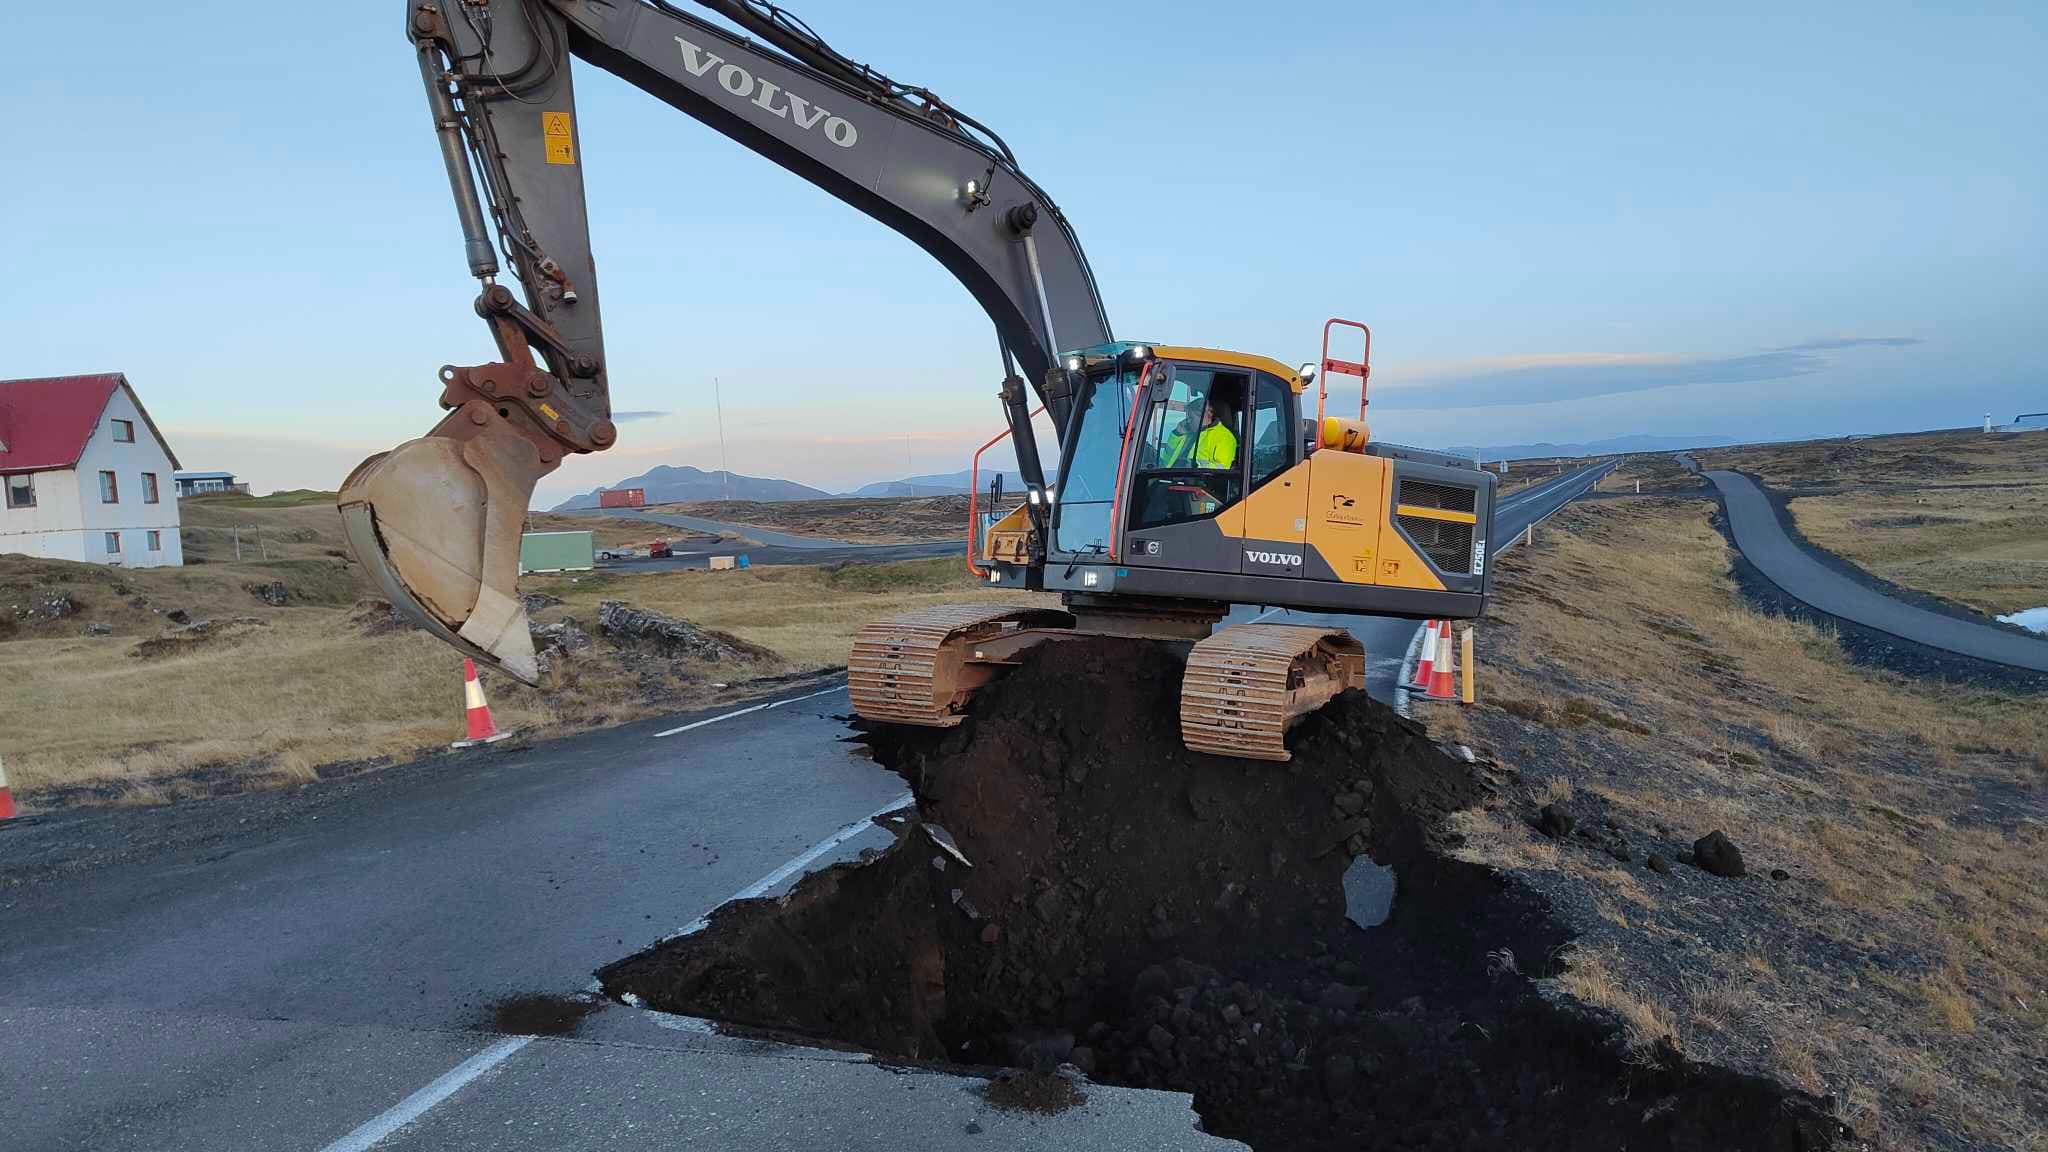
<point>1102,897</point>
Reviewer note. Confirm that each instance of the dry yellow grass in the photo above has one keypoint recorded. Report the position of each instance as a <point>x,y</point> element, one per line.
<point>1596,978</point>
<point>1987,548</point>
<point>270,699</point>
<point>864,520</point>
<point>807,614</point>
<point>1908,813</point>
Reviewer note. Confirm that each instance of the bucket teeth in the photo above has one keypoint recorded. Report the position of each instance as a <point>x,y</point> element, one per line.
<point>1247,683</point>
<point>920,667</point>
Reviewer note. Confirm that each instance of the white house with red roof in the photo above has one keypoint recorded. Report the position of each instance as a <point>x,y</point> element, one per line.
<point>86,475</point>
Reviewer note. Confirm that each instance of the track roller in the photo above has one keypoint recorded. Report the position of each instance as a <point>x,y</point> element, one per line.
<point>922,667</point>
<point>1247,683</point>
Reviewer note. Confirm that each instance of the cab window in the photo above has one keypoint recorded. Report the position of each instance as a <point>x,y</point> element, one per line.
<point>1088,484</point>
<point>1272,445</point>
<point>1191,461</point>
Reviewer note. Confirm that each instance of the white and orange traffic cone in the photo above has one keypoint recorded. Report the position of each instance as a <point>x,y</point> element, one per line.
<point>1443,675</point>
<point>481,728</point>
<point>1423,667</point>
<point>7,808</point>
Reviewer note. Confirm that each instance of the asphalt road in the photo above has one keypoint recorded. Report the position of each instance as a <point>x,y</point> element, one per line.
<point>257,982</point>
<point>1764,543</point>
<point>764,546</point>
<point>318,969</point>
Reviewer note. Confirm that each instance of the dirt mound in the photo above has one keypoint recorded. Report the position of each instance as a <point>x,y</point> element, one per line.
<point>1162,918</point>
<point>378,618</point>
<point>670,636</point>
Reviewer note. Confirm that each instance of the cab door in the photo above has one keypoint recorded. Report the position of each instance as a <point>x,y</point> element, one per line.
<point>1276,509</point>
<point>1182,508</point>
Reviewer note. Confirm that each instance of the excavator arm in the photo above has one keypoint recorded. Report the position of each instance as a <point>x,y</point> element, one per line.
<point>437,520</point>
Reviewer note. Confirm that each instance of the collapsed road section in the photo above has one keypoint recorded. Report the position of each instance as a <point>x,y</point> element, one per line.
<point>1078,888</point>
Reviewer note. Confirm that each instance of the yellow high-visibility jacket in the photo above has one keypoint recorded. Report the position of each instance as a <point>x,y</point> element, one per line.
<point>1216,447</point>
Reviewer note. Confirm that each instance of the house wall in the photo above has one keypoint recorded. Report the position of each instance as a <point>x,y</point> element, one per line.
<point>49,530</point>
<point>132,518</point>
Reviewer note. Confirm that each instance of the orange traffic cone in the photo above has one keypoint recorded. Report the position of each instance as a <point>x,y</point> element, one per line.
<point>7,809</point>
<point>1442,676</point>
<point>481,729</point>
<point>1422,669</point>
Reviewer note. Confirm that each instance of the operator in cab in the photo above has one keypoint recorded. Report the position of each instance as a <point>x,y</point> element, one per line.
<point>1214,447</point>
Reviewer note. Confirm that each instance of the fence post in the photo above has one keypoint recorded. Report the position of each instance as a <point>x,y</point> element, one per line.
<point>1465,668</point>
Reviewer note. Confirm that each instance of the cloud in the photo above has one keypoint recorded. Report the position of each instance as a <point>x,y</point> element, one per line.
<point>1544,379</point>
<point>1851,342</point>
<point>637,414</point>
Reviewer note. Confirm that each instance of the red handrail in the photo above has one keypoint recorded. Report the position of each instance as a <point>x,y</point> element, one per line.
<point>1361,369</point>
<point>974,488</point>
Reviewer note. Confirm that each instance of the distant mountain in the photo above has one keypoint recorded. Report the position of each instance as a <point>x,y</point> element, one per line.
<point>669,483</point>
<point>1610,447</point>
<point>935,484</point>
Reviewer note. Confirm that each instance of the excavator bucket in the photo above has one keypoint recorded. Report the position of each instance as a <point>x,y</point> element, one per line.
<point>436,522</point>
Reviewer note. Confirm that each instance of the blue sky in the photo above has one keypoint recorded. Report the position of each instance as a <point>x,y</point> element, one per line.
<point>1562,223</point>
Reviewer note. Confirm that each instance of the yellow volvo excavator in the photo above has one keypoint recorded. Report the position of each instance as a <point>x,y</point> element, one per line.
<point>1190,478</point>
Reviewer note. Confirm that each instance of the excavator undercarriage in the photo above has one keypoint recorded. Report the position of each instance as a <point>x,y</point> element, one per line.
<point>1245,684</point>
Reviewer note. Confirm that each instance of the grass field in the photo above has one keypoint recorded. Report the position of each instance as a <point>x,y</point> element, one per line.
<point>883,520</point>
<point>267,694</point>
<point>1959,515</point>
<point>1901,964</point>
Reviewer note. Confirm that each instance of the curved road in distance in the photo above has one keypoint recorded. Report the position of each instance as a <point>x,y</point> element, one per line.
<point>1764,543</point>
<point>767,546</point>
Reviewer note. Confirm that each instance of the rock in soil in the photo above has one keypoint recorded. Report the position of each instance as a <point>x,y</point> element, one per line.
<point>1555,822</point>
<point>1176,920</point>
<point>671,636</point>
<point>274,593</point>
<point>1717,854</point>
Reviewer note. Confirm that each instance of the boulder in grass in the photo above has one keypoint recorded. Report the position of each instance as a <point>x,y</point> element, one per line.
<point>1717,854</point>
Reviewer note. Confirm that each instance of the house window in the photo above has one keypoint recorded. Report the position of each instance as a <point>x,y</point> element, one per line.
<point>149,487</point>
<point>124,431</point>
<point>156,541</point>
<point>113,543</point>
<point>21,491</point>
<point>110,489</point>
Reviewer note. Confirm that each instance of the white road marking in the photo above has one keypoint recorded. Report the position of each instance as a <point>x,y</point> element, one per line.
<point>744,711</point>
<point>793,867</point>
<point>416,1105</point>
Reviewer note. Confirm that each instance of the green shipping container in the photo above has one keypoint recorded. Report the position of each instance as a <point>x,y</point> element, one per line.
<point>557,552</point>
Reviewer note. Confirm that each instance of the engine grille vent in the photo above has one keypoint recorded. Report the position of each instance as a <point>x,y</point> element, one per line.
<point>1448,545</point>
<point>1449,497</point>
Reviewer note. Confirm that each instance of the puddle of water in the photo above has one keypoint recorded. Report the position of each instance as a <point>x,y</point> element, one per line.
<point>1368,892</point>
<point>2032,619</point>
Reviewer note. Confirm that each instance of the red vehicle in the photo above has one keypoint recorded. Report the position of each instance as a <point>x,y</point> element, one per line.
<point>659,550</point>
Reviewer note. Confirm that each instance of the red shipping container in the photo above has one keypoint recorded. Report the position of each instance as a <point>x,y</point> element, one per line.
<point>622,498</point>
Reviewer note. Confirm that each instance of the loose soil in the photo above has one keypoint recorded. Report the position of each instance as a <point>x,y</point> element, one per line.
<point>540,1014</point>
<point>1161,918</point>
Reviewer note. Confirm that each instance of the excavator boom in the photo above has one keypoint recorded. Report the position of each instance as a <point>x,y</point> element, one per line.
<point>437,520</point>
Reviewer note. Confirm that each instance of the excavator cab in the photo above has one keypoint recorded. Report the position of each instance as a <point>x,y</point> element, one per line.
<point>1193,480</point>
